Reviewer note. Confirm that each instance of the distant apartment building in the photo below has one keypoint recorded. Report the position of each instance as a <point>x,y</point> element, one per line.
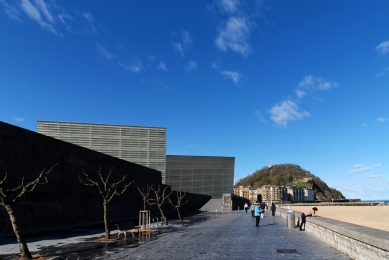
<point>273,193</point>
<point>208,175</point>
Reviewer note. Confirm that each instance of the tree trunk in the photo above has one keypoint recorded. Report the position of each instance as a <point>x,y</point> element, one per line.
<point>165,223</point>
<point>106,221</point>
<point>24,252</point>
<point>179,214</point>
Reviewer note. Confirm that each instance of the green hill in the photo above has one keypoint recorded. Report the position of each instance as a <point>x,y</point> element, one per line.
<point>290,174</point>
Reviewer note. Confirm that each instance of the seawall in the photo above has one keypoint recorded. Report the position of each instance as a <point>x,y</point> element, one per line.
<point>356,241</point>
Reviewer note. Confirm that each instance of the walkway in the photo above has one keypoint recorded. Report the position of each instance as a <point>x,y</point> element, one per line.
<point>206,236</point>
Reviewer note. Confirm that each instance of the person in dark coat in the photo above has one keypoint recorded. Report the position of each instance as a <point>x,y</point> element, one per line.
<point>273,209</point>
<point>311,212</point>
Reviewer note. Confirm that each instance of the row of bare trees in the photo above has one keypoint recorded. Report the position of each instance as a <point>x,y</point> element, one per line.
<point>108,190</point>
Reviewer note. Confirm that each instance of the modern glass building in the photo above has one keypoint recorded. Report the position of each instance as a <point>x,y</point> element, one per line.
<point>208,175</point>
<point>141,145</point>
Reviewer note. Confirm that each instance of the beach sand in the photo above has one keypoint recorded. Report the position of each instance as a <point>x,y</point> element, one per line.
<point>368,216</point>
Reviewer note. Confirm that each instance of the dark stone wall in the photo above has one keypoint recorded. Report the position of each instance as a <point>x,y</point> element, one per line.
<point>64,201</point>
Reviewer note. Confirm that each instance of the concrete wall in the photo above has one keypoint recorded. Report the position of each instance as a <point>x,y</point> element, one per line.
<point>64,201</point>
<point>232,202</point>
<point>356,241</point>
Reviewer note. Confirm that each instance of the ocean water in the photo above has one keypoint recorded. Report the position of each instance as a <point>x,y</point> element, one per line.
<point>387,201</point>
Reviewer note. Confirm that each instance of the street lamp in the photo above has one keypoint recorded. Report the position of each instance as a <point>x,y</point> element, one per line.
<point>271,195</point>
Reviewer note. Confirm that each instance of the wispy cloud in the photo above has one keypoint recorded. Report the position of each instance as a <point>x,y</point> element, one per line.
<point>383,72</point>
<point>259,116</point>
<point>19,119</point>
<point>39,12</point>
<point>382,119</point>
<point>233,35</point>
<point>287,111</point>
<point>312,84</point>
<point>181,46</point>
<point>229,6</point>
<point>364,124</point>
<point>373,176</point>
<point>104,52</point>
<point>162,66</point>
<point>383,47</point>
<point>166,88</point>
<point>134,66</point>
<point>358,168</point>
<point>178,47</point>
<point>234,31</point>
<point>192,65</point>
<point>90,28</point>
<point>11,11</point>
<point>234,75</point>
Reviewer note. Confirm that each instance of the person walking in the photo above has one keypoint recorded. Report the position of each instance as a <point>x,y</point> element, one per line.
<point>263,205</point>
<point>246,207</point>
<point>273,209</point>
<point>311,212</point>
<point>252,208</point>
<point>257,214</point>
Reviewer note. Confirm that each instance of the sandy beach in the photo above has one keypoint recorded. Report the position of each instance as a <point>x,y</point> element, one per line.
<point>368,216</point>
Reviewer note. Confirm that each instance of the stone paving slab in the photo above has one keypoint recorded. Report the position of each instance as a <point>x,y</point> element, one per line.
<point>207,236</point>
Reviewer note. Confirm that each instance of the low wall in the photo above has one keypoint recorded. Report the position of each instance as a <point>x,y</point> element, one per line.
<point>356,241</point>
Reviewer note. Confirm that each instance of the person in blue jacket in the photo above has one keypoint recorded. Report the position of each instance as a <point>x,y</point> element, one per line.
<point>257,214</point>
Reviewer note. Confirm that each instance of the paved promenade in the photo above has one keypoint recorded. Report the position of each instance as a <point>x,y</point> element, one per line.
<point>206,236</point>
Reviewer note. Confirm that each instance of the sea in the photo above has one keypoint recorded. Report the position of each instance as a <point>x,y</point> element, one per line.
<point>387,201</point>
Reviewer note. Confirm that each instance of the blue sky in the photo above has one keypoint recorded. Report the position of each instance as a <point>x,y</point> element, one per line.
<point>302,82</point>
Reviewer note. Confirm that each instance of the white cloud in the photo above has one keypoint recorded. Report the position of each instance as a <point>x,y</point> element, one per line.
<point>383,72</point>
<point>215,66</point>
<point>233,36</point>
<point>161,66</point>
<point>382,119</point>
<point>89,17</point>
<point>378,165</point>
<point>259,116</point>
<point>35,12</point>
<point>192,65</point>
<point>104,52</point>
<point>364,124</point>
<point>383,47</point>
<point>359,168</point>
<point>151,57</point>
<point>229,6</point>
<point>19,119</point>
<point>178,47</point>
<point>287,111</point>
<point>234,75</point>
<point>311,84</point>
<point>373,176</point>
<point>135,66</point>
<point>186,37</point>
<point>11,11</point>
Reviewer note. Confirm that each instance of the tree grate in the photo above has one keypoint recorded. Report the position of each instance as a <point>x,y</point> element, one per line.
<point>286,251</point>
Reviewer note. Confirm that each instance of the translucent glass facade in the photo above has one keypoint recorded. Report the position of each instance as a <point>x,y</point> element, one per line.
<point>208,175</point>
<point>141,145</point>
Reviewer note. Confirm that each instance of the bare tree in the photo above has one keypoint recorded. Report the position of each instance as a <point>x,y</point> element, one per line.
<point>107,191</point>
<point>8,199</point>
<point>159,200</point>
<point>145,194</point>
<point>179,203</point>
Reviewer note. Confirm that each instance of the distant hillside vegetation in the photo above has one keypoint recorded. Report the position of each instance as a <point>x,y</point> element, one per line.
<point>290,174</point>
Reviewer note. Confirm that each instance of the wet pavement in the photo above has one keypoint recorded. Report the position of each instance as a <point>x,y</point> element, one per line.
<point>204,236</point>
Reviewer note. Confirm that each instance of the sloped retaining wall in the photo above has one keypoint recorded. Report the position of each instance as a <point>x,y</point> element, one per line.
<point>356,241</point>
